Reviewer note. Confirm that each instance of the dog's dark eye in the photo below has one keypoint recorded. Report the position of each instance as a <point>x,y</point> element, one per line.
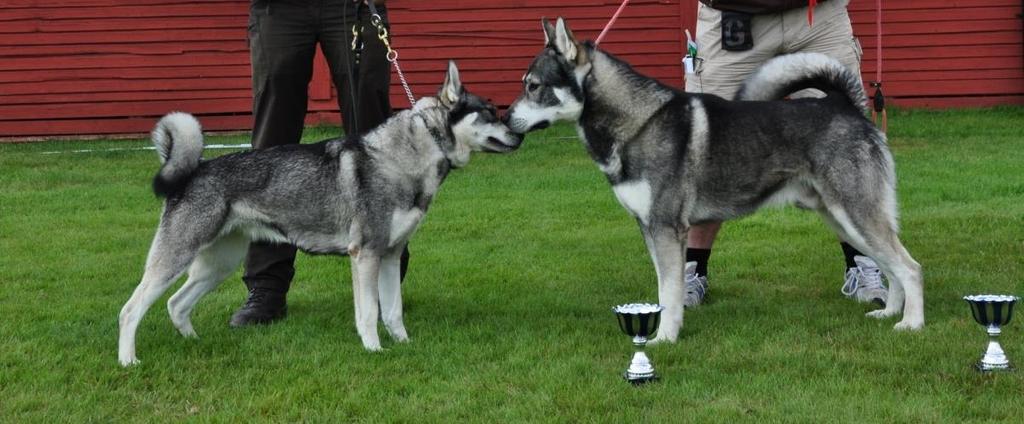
<point>532,86</point>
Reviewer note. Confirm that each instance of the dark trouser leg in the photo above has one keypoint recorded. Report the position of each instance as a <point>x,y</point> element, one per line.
<point>281,46</point>
<point>269,266</point>
<point>372,79</point>
<point>371,104</point>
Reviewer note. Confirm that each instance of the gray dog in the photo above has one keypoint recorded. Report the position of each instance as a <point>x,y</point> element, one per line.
<point>676,159</point>
<point>361,196</point>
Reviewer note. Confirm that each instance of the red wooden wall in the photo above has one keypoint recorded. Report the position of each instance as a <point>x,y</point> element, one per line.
<point>943,53</point>
<point>70,67</point>
<point>90,67</point>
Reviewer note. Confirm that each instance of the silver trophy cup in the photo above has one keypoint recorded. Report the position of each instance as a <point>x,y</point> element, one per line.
<point>639,321</point>
<point>992,311</point>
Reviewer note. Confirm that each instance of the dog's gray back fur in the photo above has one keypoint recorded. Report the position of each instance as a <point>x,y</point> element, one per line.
<point>728,158</point>
<point>397,166</point>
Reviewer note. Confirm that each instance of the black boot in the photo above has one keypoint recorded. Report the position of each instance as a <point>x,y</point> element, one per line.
<point>262,307</point>
<point>268,274</point>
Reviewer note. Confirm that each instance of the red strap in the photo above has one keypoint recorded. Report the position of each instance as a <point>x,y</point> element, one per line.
<point>611,22</point>
<point>878,42</point>
<point>810,12</point>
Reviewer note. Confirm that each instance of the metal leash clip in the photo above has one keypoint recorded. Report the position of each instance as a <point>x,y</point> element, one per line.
<point>392,55</point>
<point>357,42</point>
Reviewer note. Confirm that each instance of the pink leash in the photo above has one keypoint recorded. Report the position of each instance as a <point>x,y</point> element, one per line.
<point>611,22</point>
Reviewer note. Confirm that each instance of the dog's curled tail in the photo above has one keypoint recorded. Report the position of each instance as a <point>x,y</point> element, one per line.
<point>787,74</point>
<point>178,139</point>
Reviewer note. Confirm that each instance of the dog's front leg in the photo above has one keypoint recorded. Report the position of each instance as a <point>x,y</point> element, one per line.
<point>665,244</point>
<point>391,295</point>
<point>366,264</point>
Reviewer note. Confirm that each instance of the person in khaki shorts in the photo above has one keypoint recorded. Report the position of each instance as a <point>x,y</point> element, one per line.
<point>735,37</point>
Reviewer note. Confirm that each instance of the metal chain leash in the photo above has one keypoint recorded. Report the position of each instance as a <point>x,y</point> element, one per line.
<point>392,55</point>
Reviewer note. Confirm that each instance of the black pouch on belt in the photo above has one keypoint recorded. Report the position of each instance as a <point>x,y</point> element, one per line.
<point>736,31</point>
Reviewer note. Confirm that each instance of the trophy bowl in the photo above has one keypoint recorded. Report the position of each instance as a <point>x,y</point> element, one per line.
<point>992,311</point>
<point>639,321</point>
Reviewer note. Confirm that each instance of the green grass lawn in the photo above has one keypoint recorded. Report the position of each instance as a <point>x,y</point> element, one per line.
<point>508,302</point>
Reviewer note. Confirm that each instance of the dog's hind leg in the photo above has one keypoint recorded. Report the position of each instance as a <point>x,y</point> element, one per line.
<point>665,244</point>
<point>365,284</point>
<point>873,231</point>
<point>165,263</point>
<point>391,295</point>
<point>883,245</point>
<point>904,269</point>
<point>212,265</point>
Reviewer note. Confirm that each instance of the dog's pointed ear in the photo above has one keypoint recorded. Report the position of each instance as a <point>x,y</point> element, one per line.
<point>451,90</point>
<point>564,41</point>
<point>549,31</point>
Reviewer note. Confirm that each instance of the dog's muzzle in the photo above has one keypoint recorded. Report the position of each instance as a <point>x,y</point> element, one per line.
<point>539,126</point>
<point>516,125</point>
<point>495,145</point>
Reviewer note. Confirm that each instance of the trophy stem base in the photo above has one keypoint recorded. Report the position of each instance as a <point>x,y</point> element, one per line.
<point>640,370</point>
<point>982,366</point>
<point>994,359</point>
<point>639,380</point>
<point>992,368</point>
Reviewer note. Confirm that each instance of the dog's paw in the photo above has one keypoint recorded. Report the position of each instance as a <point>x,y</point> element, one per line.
<point>397,331</point>
<point>660,340</point>
<point>376,348</point>
<point>400,336</point>
<point>128,362</point>
<point>188,332</point>
<point>909,325</point>
<point>881,313</point>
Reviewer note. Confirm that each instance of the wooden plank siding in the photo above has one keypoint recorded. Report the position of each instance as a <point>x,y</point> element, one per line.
<point>100,67</point>
<point>92,67</point>
<point>945,53</point>
<point>494,42</point>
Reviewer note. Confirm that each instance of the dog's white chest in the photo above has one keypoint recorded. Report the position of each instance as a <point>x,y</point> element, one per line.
<point>635,196</point>
<point>403,223</point>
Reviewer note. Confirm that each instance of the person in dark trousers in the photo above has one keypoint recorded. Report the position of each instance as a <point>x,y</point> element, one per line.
<point>283,36</point>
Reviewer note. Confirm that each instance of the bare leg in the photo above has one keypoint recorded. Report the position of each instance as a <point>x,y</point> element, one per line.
<point>702,236</point>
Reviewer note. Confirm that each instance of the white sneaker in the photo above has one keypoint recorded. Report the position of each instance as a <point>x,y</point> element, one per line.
<point>864,282</point>
<point>696,287</point>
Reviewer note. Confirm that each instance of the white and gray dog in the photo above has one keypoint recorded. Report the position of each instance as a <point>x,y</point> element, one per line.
<point>360,196</point>
<point>676,159</point>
